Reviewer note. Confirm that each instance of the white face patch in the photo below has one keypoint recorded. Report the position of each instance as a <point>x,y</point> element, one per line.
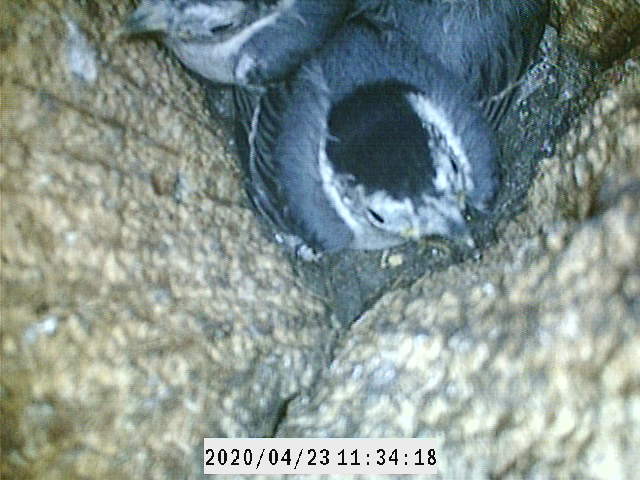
<point>215,14</point>
<point>217,61</point>
<point>446,176</point>
<point>398,216</point>
<point>381,221</point>
<point>438,215</point>
<point>365,235</point>
<point>331,187</point>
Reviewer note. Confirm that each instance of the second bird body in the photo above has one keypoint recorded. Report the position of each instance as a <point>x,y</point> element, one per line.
<point>242,42</point>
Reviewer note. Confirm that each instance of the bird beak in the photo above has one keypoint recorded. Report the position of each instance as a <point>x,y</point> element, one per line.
<point>461,235</point>
<point>461,230</point>
<point>412,233</point>
<point>149,17</point>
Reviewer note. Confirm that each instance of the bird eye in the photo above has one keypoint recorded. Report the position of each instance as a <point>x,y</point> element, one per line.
<point>220,28</point>
<point>376,216</point>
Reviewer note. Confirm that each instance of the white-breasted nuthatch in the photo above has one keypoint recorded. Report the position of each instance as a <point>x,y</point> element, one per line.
<point>239,41</point>
<point>372,143</point>
<point>385,135</point>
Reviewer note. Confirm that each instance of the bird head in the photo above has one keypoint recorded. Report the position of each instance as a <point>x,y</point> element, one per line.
<point>394,167</point>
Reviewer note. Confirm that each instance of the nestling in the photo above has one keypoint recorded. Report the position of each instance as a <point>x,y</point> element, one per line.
<point>359,151</point>
<point>243,42</point>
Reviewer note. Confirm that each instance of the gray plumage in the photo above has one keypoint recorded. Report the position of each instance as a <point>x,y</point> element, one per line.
<point>306,182</point>
<point>489,44</point>
<point>239,41</point>
<point>449,67</point>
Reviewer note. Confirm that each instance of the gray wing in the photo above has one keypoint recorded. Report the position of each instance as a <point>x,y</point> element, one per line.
<point>498,72</point>
<point>489,44</point>
<point>258,121</point>
<point>279,133</point>
<point>282,131</point>
<point>280,47</point>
